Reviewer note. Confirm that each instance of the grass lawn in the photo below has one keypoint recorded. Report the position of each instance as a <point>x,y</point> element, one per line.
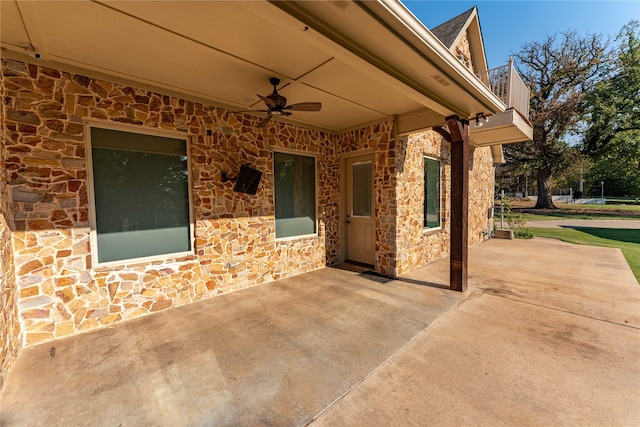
<point>623,200</point>
<point>574,211</point>
<point>572,215</point>
<point>578,207</point>
<point>628,240</point>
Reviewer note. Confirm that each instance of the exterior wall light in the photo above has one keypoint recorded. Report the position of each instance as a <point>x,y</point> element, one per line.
<point>484,118</point>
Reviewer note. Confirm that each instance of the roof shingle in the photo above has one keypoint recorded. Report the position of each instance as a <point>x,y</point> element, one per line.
<point>448,32</point>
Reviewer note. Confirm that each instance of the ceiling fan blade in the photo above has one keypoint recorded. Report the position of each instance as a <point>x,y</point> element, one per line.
<point>250,111</point>
<point>304,106</point>
<point>270,102</point>
<point>263,122</point>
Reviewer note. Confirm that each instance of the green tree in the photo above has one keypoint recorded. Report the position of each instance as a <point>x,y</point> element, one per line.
<point>559,71</point>
<point>612,117</point>
<point>619,166</point>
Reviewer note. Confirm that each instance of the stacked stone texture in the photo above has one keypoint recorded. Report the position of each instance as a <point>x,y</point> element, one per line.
<point>462,51</point>
<point>482,174</point>
<point>9,316</point>
<point>50,283</point>
<point>59,292</point>
<point>415,245</point>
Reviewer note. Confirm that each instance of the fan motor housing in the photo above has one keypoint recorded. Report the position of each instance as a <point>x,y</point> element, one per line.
<point>278,99</point>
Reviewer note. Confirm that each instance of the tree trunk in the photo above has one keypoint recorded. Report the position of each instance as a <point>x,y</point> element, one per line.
<point>545,199</point>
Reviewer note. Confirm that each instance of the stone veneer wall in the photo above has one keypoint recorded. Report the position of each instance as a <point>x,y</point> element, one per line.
<point>482,174</point>
<point>56,290</point>
<point>9,320</point>
<point>462,51</point>
<point>59,292</point>
<point>415,246</point>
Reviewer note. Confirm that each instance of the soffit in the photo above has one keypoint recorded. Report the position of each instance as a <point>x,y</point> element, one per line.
<point>223,53</point>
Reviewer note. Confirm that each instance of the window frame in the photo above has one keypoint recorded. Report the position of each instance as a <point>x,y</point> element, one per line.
<point>301,153</point>
<point>372,195</point>
<point>93,232</point>
<point>440,169</point>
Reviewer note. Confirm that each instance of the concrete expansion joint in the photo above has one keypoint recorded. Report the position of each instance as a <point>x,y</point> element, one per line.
<point>466,295</point>
<point>626,325</point>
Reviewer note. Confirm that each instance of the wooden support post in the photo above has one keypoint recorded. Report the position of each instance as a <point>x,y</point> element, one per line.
<point>458,136</point>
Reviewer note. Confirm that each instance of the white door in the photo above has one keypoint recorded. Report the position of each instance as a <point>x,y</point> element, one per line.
<point>360,210</point>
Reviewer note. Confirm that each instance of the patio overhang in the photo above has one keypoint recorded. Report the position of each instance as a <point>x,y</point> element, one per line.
<point>365,61</point>
<point>508,127</point>
<point>504,128</point>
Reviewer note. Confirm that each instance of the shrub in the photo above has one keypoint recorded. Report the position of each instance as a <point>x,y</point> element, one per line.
<point>516,221</point>
<point>523,234</point>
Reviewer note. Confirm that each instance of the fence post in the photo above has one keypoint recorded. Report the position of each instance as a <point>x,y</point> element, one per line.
<point>502,210</point>
<point>510,101</point>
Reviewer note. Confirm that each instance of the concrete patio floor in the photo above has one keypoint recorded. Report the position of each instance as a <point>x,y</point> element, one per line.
<point>549,334</point>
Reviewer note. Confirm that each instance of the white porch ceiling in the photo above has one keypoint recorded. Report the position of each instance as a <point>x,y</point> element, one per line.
<point>359,59</point>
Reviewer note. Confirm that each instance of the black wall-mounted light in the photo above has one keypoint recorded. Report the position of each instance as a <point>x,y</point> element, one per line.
<point>247,179</point>
<point>226,177</point>
<point>484,118</point>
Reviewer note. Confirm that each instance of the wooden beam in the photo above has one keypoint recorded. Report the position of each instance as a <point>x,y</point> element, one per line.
<point>458,136</point>
<point>417,121</point>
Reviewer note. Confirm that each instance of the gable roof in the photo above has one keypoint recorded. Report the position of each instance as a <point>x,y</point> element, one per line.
<point>449,31</point>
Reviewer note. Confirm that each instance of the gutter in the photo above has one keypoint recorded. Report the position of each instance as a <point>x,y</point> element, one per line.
<point>423,37</point>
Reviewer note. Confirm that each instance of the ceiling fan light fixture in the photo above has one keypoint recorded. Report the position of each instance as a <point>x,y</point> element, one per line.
<point>277,105</point>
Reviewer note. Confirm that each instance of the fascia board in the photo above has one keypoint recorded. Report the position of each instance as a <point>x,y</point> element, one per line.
<point>419,36</point>
<point>477,30</point>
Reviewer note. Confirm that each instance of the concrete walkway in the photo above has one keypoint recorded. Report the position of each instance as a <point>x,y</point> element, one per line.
<point>549,334</point>
<point>594,223</point>
<point>550,337</point>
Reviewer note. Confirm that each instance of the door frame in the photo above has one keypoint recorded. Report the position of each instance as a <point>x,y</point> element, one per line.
<point>343,197</point>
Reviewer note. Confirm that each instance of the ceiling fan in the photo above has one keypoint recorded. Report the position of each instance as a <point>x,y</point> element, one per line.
<point>277,105</point>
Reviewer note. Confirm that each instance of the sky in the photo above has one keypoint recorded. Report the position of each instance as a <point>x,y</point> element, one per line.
<point>507,25</point>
